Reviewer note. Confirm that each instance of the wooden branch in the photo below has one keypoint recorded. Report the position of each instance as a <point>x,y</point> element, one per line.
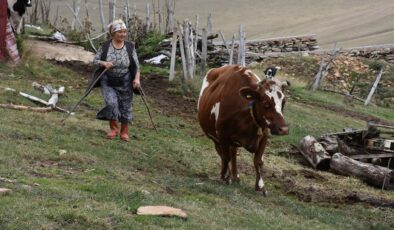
<point>22,107</point>
<point>372,174</point>
<point>345,94</point>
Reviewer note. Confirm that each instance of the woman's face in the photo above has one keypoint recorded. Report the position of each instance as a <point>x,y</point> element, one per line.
<point>120,35</point>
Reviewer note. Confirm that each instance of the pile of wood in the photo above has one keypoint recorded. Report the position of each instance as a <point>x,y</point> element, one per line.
<point>365,153</point>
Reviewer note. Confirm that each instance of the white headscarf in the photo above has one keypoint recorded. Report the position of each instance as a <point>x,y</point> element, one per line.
<point>116,26</point>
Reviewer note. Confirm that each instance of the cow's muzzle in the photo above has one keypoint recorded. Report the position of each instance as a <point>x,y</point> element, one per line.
<point>279,130</point>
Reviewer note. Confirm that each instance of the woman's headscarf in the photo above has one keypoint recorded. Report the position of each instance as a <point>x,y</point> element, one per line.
<point>116,26</point>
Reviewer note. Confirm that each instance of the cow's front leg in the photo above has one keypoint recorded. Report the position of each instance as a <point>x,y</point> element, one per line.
<point>234,169</point>
<point>225,158</point>
<point>258,164</point>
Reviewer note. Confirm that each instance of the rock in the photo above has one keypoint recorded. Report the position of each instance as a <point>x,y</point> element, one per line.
<point>62,152</point>
<point>4,191</point>
<point>161,211</point>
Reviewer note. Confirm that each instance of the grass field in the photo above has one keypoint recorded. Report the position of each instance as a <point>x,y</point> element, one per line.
<point>71,177</point>
<point>350,23</point>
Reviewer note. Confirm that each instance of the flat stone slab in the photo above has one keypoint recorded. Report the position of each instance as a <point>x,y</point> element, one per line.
<point>161,211</point>
<point>4,191</point>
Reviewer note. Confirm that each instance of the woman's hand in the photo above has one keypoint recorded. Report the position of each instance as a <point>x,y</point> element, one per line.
<point>106,64</point>
<point>136,83</point>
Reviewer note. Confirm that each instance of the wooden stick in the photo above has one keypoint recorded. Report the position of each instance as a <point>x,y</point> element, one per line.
<point>23,107</point>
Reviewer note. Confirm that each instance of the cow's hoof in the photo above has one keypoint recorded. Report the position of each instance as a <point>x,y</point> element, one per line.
<point>237,180</point>
<point>262,191</point>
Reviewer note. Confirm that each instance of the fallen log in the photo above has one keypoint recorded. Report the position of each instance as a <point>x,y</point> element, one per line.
<point>372,174</point>
<point>314,152</point>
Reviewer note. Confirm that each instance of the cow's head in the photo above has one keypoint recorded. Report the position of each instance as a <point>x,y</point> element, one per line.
<point>268,100</point>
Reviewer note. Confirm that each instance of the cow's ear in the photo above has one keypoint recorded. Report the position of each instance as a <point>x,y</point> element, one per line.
<point>248,93</point>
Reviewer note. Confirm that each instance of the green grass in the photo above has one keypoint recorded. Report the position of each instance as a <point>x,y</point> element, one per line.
<point>99,183</point>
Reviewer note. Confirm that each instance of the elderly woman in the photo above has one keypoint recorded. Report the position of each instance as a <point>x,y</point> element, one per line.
<point>120,59</point>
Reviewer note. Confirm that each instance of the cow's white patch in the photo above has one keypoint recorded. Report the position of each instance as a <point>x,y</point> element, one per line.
<point>261,183</point>
<point>215,110</point>
<point>273,93</point>
<point>205,84</point>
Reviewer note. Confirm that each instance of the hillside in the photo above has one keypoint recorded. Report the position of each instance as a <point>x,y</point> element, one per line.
<point>350,23</point>
<point>70,177</point>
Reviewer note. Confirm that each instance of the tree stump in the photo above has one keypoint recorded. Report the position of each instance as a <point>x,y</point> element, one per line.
<point>372,174</point>
<point>314,152</point>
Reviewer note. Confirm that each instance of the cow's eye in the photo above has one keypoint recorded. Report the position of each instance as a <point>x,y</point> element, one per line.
<point>266,105</point>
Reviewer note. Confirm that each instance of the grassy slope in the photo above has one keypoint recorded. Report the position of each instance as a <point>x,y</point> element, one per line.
<point>99,184</point>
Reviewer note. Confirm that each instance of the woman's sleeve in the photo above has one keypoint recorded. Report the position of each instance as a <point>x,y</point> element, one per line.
<point>135,57</point>
<point>97,58</point>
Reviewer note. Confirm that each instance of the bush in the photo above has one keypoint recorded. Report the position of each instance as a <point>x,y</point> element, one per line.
<point>149,46</point>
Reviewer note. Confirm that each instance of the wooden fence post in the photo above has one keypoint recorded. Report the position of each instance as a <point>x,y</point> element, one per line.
<point>103,28</point>
<point>112,10</point>
<point>374,86</point>
<point>173,54</point>
<point>231,58</point>
<point>127,13</point>
<point>243,61</point>
<point>182,49</point>
<point>159,15</point>
<point>209,24</point>
<point>241,54</point>
<point>148,20</point>
<point>76,9</point>
<point>323,69</point>
<point>204,51</point>
<point>170,15</point>
<point>188,48</point>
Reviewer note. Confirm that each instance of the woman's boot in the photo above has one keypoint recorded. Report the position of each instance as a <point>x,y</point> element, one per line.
<point>113,124</point>
<point>124,132</point>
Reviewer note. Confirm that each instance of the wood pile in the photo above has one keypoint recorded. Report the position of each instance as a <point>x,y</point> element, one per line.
<point>365,153</point>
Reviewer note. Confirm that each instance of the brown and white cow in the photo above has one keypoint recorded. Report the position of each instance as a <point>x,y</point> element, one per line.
<point>236,109</point>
